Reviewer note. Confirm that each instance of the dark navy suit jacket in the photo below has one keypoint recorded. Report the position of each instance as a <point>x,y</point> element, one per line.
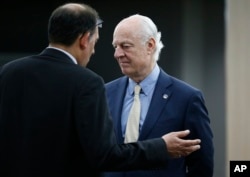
<point>175,106</point>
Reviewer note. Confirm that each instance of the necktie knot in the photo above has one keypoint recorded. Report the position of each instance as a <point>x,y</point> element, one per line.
<point>137,89</point>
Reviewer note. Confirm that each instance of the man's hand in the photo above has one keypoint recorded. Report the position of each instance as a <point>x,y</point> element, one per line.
<point>177,146</point>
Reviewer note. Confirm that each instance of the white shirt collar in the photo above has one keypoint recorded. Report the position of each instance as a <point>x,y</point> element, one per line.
<point>67,53</point>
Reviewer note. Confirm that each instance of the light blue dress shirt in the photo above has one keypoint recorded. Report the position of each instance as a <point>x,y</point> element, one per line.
<point>147,89</point>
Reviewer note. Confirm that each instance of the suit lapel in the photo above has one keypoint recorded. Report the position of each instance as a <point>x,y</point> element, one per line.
<point>159,99</point>
<point>117,101</point>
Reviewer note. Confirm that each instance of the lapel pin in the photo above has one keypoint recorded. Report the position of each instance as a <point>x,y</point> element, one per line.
<point>165,96</point>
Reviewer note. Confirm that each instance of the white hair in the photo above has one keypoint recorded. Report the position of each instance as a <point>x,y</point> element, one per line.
<point>149,30</point>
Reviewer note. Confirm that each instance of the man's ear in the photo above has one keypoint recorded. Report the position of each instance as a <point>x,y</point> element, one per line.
<point>84,40</point>
<point>151,44</point>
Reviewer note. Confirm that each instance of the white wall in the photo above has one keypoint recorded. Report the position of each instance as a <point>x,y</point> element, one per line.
<point>238,80</point>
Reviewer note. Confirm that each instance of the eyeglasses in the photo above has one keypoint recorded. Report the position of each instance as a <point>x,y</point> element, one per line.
<point>99,23</point>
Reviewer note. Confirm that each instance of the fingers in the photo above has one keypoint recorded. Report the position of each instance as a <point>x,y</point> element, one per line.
<point>184,151</point>
<point>189,146</point>
<point>178,147</point>
<point>190,142</point>
<point>182,134</point>
<point>189,149</point>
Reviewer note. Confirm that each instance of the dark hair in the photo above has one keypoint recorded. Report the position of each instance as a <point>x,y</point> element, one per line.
<point>67,23</point>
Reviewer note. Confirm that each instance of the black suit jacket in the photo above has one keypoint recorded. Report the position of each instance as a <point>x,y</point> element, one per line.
<point>54,121</point>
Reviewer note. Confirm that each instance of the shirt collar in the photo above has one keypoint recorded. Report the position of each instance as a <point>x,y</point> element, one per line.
<point>147,84</point>
<point>67,53</point>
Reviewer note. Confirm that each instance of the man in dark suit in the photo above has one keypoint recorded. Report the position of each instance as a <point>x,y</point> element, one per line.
<point>54,119</point>
<point>167,103</point>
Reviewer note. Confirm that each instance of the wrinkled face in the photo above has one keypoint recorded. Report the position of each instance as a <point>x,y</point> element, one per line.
<point>133,55</point>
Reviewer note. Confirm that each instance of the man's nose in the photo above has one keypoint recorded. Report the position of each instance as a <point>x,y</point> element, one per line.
<point>118,52</point>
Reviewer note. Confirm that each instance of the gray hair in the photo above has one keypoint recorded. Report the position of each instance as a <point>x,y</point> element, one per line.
<point>149,30</point>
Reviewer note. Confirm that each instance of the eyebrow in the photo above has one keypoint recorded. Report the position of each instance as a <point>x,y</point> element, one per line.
<point>124,42</point>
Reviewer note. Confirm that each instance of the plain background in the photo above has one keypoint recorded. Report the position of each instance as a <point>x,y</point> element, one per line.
<point>192,32</point>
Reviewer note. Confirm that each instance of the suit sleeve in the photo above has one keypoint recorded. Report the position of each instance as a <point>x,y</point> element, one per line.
<point>97,138</point>
<point>200,163</point>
